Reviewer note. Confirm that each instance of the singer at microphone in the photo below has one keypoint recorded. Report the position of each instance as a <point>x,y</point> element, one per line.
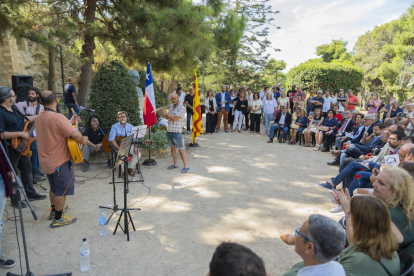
<point>87,109</point>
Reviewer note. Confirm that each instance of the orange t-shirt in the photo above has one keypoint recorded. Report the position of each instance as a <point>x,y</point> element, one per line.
<point>52,131</point>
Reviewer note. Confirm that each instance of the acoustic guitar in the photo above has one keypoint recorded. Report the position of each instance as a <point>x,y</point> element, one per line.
<point>75,147</point>
<point>107,148</point>
<point>23,145</point>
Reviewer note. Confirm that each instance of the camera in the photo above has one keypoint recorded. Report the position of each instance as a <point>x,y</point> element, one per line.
<point>342,99</point>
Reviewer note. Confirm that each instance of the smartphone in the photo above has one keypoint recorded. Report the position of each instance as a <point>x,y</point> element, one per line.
<point>403,115</point>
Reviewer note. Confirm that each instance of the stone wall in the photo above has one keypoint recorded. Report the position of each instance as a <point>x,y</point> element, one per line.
<point>24,57</point>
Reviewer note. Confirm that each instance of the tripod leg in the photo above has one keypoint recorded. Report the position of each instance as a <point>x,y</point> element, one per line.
<point>126,223</point>
<point>117,224</point>
<point>130,219</point>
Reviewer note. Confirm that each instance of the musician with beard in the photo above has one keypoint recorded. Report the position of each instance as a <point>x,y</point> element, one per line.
<point>124,129</point>
<point>32,107</point>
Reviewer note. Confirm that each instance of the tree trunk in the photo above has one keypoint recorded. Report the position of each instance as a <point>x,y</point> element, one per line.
<point>162,90</point>
<point>88,47</point>
<point>170,89</point>
<point>51,76</point>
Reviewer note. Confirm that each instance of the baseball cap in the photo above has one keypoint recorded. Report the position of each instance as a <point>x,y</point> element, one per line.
<point>280,84</point>
<point>350,90</point>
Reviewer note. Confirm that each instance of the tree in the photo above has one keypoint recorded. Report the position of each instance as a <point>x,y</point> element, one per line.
<point>113,90</point>
<point>334,51</point>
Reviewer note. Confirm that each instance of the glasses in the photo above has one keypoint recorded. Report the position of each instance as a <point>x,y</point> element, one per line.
<point>14,96</point>
<point>303,236</point>
<point>122,116</point>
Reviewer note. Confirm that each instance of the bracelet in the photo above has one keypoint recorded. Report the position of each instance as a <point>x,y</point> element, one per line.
<point>347,216</point>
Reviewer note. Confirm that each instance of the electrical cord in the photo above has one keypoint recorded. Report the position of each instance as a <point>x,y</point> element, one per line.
<point>18,243</point>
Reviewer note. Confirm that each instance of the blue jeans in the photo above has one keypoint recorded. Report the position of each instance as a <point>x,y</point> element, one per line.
<point>363,182</point>
<point>75,107</point>
<point>2,204</point>
<point>354,152</point>
<point>189,115</point>
<point>262,112</point>
<point>35,157</point>
<point>267,119</point>
<point>348,172</point>
<point>275,127</point>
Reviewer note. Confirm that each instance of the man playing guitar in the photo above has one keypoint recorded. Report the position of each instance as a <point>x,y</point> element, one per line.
<point>53,129</point>
<point>11,125</point>
<point>124,129</point>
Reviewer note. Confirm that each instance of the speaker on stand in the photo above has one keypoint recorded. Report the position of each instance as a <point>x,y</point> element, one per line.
<point>20,84</point>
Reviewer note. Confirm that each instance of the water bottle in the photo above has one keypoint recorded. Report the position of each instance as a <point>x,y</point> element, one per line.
<point>85,260</point>
<point>102,223</point>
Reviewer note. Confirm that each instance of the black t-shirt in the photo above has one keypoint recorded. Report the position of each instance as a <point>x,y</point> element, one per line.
<point>239,105</point>
<point>11,121</point>
<point>95,136</point>
<point>69,89</point>
<point>189,98</point>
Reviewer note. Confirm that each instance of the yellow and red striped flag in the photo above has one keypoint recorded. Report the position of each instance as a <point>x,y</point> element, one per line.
<point>197,116</point>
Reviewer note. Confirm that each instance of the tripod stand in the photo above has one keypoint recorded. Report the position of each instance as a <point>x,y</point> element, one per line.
<point>19,187</point>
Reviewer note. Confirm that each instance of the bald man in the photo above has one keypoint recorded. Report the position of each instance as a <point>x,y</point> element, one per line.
<point>69,94</point>
<point>53,129</point>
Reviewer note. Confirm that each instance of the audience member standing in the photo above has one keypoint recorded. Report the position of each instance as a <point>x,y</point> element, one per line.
<point>255,111</point>
<point>374,103</point>
<point>283,100</point>
<point>327,102</point>
<point>318,101</point>
<point>341,102</point>
<point>69,95</point>
<point>262,96</point>
<point>300,92</point>
<point>188,101</point>
<point>352,101</point>
<point>309,105</point>
<point>292,96</point>
<point>249,97</point>
<point>269,106</point>
<point>211,107</point>
<point>223,108</point>
<point>233,97</point>
<point>240,110</point>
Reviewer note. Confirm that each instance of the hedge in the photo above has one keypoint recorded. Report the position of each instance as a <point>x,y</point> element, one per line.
<point>113,90</point>
<point>320,75</point>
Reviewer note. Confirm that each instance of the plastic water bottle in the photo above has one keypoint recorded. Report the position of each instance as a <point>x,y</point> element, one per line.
<point>102,223</point>
<point>85,259</point>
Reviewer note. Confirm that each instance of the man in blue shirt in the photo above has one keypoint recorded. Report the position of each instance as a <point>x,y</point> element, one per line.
<point>70,97</point>
<point>124,129</point>
<point>393,111</point>
<point>223,100</point>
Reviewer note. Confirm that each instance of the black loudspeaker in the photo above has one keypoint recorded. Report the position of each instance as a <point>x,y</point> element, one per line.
<point>20,84</point>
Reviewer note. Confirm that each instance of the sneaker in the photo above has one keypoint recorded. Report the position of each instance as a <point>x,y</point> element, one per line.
<point>52,214</point>
<point>326,186</point>
<point>336,209</point>
<point>270,141</point>
<point>64,220</point>
<point>5,263</point>
<point>226,130</point>
<point>86,167</point>
<point>36,197</point>
<point>14,204</point>
<point>41,173</point>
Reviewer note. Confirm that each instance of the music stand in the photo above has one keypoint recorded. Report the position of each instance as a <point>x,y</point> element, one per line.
<point>123,156</point>
<point>139,132</point>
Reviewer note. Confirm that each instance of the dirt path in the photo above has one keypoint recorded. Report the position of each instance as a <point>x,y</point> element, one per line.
<point>239,189</point>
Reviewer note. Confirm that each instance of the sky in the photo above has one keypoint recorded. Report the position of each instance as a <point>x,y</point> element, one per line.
<point>306,24</point>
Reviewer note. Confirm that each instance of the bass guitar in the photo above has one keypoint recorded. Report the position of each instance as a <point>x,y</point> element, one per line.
<point>75,147</point>
<point>23,145</point>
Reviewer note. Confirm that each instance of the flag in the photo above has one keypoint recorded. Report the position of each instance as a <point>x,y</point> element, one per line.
<point>197,117</point>
<point>150,117</point>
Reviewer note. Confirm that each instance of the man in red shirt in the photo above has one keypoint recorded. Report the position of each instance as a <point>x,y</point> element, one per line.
<point>352,100</point>
<point>292,96</point>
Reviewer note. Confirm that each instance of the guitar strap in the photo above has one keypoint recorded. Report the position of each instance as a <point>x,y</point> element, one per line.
<point>49,109</point>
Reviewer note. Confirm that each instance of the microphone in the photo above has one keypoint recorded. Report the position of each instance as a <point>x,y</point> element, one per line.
<point>87,109</point>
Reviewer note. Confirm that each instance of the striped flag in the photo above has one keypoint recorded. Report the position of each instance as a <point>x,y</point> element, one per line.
<point>197,117</point>
<point>150,117</point>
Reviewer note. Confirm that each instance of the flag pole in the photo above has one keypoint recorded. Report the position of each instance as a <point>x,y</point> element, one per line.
<point>149,161</point>
<point>197,120</point>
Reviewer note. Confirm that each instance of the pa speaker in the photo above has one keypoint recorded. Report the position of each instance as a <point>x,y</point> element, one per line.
<point>20,84</point>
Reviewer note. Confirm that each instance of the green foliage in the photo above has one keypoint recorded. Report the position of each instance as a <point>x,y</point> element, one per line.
<point>113,90</point>
<point>315,75</point>
<point>334,51</point>
<point>159,138</point>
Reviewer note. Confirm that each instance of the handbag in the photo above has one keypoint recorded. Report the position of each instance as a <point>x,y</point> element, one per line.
<point>322,128</point>
<point>294,126</point>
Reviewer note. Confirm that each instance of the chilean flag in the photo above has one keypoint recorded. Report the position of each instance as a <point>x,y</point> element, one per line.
<point>150,117</point>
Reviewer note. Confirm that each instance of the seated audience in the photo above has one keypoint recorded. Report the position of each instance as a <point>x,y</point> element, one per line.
<point>331,123</point>
<point>344,126</point>
<point>338,115</point>
<point>302,122</point>
<point>283,120</point>
<point>318,242</point>
<point>317,120</point>
<point>232,259</point>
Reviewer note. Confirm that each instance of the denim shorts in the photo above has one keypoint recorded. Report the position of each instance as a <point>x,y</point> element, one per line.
<point>175,140</point>
<point>59,180</point>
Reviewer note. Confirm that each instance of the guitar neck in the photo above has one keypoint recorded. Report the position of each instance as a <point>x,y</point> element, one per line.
<point>31,130</point>
<point>73,112</point>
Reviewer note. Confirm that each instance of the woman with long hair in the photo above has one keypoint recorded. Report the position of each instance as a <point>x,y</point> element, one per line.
<point>255,113</point>
<point>299,103</point>
<point>317,120</point>
<point>240,109</point>
<point>302,122</point>
<point>331,123</point>
<point>374,103</point>
<point>233,98</point>
<point>270,105</point>
<point>211,107</point>
<point>283,99</point>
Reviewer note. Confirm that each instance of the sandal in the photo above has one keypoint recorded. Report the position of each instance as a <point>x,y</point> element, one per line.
<point>172,167</point>
<point>185,170</point>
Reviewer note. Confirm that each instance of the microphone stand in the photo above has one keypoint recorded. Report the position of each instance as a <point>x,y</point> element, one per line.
<point>113,152</point>
<point>19,187</point>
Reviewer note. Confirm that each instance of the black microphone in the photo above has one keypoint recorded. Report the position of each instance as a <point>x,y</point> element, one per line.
<point>87,109</point>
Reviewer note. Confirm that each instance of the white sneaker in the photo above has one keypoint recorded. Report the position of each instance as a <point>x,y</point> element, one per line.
<point>337,209</point>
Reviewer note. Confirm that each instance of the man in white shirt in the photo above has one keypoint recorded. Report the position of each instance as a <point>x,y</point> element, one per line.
<point>327,103</point>
<point>318,242</point>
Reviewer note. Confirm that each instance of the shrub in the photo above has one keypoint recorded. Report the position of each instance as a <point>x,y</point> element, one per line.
<point>159,138</point>
<point>113,90</point>
<point>320,75</point>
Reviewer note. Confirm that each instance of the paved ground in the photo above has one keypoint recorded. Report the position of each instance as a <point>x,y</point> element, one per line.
<point>238,189</point>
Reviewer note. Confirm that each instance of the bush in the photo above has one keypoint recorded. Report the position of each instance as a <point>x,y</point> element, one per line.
<point>113,90</point>
<point>159,138</point>
<point>320,75</point>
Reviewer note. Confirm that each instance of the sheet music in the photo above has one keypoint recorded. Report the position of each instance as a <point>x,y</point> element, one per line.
<point>139,131</point>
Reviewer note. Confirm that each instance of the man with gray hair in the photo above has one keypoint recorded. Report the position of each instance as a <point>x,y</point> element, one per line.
<point>318,242</point>
<point>394,110</point>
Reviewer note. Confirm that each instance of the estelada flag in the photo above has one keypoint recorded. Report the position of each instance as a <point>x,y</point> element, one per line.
<point>197,117</point>
<point>150,117</point>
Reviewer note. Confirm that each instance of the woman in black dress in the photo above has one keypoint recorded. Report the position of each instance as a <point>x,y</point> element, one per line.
<point>240,110</point>
<point>211,106</point>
